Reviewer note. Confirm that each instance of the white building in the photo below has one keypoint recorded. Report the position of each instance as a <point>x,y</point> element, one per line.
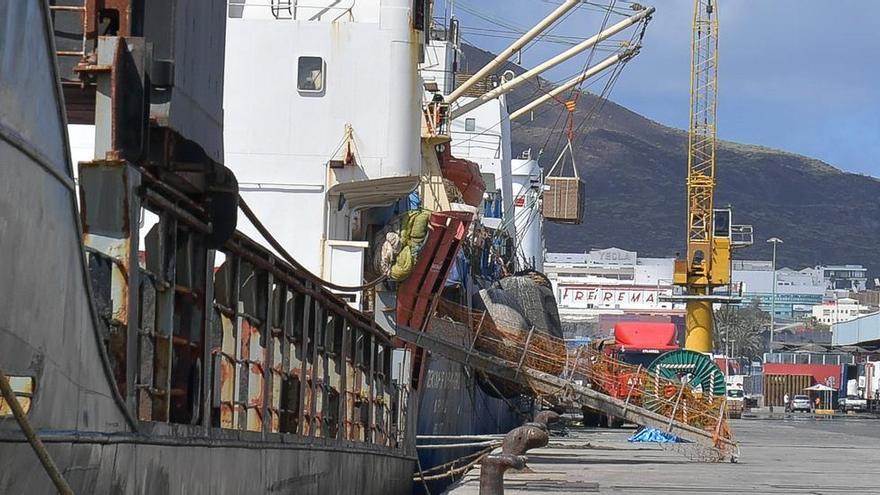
<point>839,311</point>
<point>845,277</point>
<point>796,290</point>
<point>611,281</point>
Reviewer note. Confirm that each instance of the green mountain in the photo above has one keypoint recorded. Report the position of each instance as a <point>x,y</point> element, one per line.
<point>635,170</point>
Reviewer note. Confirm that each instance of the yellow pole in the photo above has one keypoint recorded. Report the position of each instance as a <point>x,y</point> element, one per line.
<point>699,326</point>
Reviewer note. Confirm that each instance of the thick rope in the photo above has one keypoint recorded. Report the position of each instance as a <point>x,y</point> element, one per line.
<point>42,454</point>
<point>252,217</point>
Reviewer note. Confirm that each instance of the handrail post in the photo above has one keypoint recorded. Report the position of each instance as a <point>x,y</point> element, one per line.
<point>476,336</point>
<point>631,385</point>
<point>525,350</point>
<point>675,408</point>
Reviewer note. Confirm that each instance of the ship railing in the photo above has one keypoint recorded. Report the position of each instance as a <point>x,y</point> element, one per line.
<point>478,143</point>
<point>230,338</point>
<point>435,122</point>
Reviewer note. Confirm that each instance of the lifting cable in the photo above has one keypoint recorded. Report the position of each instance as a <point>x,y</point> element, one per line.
<point>575,93</point>
<point>635,40</point>
<point>252,217</point>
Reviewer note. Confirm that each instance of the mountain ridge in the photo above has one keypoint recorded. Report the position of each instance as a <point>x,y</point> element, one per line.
<point>635,169</point>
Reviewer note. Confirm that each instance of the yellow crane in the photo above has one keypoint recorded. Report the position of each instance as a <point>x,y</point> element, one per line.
<point>707,265</point>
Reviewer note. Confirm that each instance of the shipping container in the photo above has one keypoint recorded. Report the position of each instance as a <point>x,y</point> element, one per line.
<point>754,384</point>
<point>826,374</point>
<point>777,386</point>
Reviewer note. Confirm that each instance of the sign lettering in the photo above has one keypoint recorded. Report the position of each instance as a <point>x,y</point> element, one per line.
<point>612,297</point>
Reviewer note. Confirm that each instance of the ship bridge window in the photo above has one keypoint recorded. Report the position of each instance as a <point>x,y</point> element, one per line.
<point>310,74</point>
<point>470,125</point>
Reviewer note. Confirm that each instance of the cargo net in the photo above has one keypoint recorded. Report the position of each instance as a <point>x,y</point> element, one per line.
<point>634,385</point>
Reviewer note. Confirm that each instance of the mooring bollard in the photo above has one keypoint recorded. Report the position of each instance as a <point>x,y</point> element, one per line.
<point>547,417</point>
<point>524,438</point>
<point>492,472</point>
<point>515,444</point>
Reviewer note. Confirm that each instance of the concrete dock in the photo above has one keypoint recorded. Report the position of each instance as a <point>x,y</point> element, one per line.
<point>798,455</point>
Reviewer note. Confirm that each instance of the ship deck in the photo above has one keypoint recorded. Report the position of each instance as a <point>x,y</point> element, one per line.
<point>777,456</point>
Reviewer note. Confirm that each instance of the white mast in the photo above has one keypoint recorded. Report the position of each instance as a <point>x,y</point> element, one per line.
<point>592,71</point>
<point>513,48</point>
<point>549,64</point>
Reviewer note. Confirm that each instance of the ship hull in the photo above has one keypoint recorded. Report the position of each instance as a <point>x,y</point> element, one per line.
<point>51,341</point>
<point>128,464</point>
<point>455,404</point>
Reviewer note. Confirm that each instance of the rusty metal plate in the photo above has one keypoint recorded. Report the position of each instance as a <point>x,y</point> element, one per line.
<point>23,388</point>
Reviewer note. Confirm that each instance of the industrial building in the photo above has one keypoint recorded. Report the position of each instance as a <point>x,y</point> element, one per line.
<point>604,286</point>
<point>845,277</point>
<point>796,291</point>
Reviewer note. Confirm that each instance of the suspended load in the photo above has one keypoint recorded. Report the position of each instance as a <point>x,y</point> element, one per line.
<point>564,196</point>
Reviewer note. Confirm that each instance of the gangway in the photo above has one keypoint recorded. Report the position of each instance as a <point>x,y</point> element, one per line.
<point>651,401</point>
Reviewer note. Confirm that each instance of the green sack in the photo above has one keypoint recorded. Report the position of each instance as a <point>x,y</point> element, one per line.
<point>419,226</point>
<point>403,265</point>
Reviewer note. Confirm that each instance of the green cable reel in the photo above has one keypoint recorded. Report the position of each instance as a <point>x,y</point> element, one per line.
<point>695,369</point>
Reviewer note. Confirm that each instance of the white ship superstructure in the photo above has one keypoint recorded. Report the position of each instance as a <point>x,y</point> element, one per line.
<point>528,185</point>
<point>322,123</point>
<point>480,126</point>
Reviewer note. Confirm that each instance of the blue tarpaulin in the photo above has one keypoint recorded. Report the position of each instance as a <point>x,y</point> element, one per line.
<point>653,435</point>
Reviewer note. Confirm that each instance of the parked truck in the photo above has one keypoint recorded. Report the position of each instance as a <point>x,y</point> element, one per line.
<point>735,396</point>
<point>852,403</point>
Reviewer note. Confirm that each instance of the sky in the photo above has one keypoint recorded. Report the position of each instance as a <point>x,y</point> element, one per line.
<point>797,75</point>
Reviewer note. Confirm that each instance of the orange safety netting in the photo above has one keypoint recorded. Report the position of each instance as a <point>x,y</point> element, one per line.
<point>593,368</point>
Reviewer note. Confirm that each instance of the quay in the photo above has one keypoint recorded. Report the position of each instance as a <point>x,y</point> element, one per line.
<point>791,456</point>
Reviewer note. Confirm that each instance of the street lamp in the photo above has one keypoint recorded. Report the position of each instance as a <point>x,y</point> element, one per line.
<point>774,241</point>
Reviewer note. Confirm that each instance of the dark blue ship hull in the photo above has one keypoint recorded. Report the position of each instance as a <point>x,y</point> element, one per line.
<point>454,403</point>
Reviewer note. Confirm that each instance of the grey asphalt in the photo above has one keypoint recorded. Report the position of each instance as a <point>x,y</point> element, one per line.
<point>800,455</point>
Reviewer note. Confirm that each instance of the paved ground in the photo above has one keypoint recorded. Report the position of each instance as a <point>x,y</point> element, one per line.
<point>796,455</point>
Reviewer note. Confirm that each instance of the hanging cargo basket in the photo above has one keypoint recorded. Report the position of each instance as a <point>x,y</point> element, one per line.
<point>564,196</point>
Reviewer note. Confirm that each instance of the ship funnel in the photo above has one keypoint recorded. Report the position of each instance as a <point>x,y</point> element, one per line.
<point>553,62</point>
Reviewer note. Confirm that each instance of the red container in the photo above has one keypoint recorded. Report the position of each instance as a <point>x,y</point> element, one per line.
<point>826,374</point>
<point>644,335</point>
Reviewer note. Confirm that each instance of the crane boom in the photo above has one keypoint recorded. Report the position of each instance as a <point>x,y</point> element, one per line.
<point>708,238</point>
<point>701,131</point>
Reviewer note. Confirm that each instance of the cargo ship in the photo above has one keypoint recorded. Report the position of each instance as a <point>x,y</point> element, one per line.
<point>238,203</point>
<point>151,346</point>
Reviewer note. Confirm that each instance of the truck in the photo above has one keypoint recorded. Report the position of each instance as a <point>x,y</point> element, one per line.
<point>852,403</point>
<point>735,396</point>
<point>636,343</point>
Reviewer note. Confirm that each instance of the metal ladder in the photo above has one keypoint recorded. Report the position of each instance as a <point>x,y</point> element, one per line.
<point>82,11</point>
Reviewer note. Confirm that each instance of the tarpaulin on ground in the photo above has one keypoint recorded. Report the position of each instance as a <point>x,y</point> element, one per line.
<point>653,435</point>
